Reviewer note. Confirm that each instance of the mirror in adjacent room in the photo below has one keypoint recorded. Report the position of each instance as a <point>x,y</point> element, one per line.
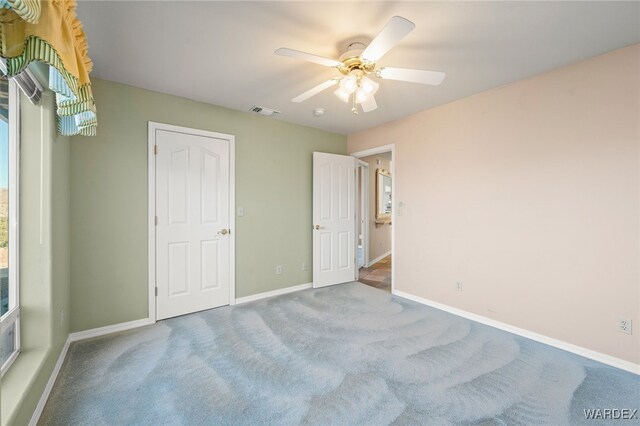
<point>383,196</point>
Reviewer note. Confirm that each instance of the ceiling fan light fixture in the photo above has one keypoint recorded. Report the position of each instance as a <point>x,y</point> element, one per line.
<point>369,86</point>
<point>361,96</point>
<point>359,63</point>
<point>342,95</point>
<point>369,105</point>
<point>349,83</point>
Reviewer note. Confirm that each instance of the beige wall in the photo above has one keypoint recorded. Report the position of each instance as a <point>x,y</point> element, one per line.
<point>529,194</point>
<point>379,236</point>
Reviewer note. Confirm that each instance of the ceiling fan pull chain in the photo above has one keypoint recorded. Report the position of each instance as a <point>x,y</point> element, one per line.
<point>354,109</point>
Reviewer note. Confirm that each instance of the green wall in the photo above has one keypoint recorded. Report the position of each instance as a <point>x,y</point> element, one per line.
<point>109,200</point>
<point>44,259</point>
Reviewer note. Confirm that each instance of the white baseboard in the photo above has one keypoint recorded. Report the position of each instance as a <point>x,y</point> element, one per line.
<point>109,329</point>
<point>74,337</point>
<point>579,350</point>
<point>101,331</point>
<point>587,353</point>
<point>278,292</point>
<point>47,389</point>
<point>379,258</point>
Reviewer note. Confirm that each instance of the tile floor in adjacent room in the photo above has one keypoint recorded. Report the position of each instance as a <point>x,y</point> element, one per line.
<point>377,275</point>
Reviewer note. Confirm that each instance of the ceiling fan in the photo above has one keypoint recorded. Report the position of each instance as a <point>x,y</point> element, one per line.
<point>359,63</point>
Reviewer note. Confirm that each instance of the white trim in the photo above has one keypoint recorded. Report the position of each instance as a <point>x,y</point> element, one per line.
<point>363,211</point>
<point>579,350</point>
<point>232,218</point>
<point>278,292</point>
<point>372,151</point>
<point>394,195</point>
<point>96,332</point>
<point>151,207</point>
<point>12,317</point>
<point>52,380</point>
<point>74,337</point>
<point>151,219</point>
<point>109,329</point>
<point>14,194</point>
<point>12,357</point>
<point>379,258</point>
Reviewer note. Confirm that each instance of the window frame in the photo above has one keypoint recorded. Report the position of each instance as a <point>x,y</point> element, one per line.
<point>12,316</point>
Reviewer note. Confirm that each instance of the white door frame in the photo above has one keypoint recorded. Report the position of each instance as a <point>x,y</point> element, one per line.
<point>379,150</point>
<point>363,210</point>
<point>151,194</point>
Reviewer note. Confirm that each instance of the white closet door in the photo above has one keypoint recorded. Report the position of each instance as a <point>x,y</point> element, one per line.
<point>192,231</point>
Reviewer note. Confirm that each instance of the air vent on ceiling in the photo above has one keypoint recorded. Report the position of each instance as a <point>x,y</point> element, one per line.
<point>264,111</point>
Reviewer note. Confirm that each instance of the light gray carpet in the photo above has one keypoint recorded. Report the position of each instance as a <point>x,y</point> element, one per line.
<point>348,354</point>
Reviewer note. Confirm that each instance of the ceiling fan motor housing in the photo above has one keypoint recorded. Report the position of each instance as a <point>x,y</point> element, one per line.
<point>351,60</point>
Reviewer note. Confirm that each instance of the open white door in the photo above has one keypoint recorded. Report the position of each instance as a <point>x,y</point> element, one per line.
<point>334,219</point>
<point>193,241</point>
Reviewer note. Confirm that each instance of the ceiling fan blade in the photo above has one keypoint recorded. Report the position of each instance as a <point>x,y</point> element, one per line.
<point>291,53</point>
<point>389,36</point>
<point>312,92</point>
<point>433,78</point>
<point>369,105</point>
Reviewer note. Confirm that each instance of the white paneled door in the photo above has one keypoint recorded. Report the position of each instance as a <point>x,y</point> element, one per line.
<point>193,222</point>
<point>333,219</point>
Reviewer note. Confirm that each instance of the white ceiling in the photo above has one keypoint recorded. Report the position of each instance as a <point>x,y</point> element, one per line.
<point>222,52</point>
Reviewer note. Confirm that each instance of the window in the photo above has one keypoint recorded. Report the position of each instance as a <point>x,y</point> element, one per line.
<point>9,306</point>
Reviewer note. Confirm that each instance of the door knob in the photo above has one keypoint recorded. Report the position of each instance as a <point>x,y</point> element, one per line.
<point>317,227</point>
<point>224,232</point>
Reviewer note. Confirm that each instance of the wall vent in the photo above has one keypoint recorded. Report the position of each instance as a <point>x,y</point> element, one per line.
<point>264,111</point>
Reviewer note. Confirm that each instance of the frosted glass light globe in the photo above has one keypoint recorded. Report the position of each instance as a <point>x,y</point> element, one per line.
<point>349,84</point>
<point>361,96</point>
<point>369,86</point>
<point>342,95</point>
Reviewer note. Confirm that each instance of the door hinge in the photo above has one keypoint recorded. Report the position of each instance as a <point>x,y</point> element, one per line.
<point>155,150</point>
<point>156,291</point>
<point>155,220</point>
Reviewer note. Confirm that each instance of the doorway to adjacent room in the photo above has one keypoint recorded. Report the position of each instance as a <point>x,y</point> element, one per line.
<point>375,231</point>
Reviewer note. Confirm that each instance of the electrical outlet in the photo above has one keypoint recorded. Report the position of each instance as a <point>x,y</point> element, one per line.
<point>304,266</point>
<point>279,269</point>
<point>459,285</point>
<point>624,325</point>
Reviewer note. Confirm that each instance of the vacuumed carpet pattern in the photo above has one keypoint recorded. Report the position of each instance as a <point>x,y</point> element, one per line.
<point>347,354</point>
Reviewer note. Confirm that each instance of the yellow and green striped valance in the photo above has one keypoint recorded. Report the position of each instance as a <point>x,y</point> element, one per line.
<point>50,31</point>
<point>29,10</point>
